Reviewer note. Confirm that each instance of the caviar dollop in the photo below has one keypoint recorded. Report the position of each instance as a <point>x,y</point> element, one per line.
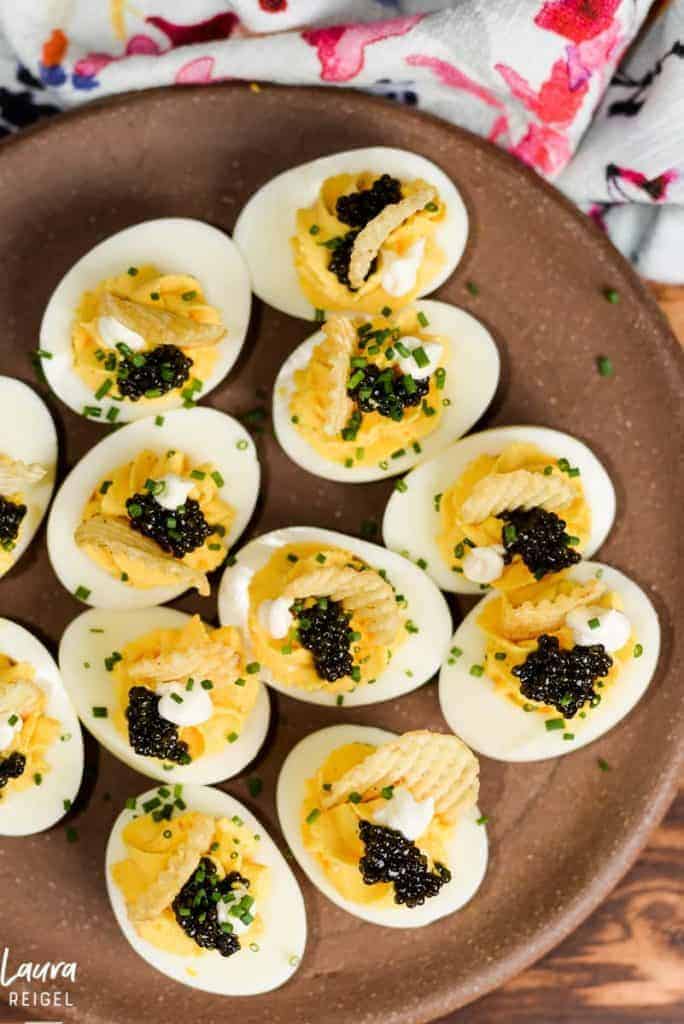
<point>12,767</point>
<point>150,734</point>
<point>152,374</point>
<point>179,532</point>
<point>540,538</point>
<point>563,679</point>
<point>11,517</point>
<point>195,907</point>
<point>390,857</point>
<point>323,628</point>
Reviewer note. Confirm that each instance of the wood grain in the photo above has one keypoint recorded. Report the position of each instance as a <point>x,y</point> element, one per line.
<point>625,964</point>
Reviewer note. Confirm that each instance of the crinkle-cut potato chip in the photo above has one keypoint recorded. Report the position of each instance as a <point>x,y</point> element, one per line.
<point>206,661</point>
<point>116,536</point>
<point>523,621</point>
<point>340,335</point>
<point>160,326</point>
<point>364,592</point>
<point>520,488</point>
<point>15,474</point>
<point>20,697</point>
<point>181,864</point>
<point>371,238</point>
<point>428,764</point>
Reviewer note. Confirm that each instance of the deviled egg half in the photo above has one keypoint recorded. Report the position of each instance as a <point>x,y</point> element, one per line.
<point>545,669</point>
<point>28,462</point>
<point>330,619</point>
<point>41,749</point>
<point>368,397</point>
<point>201,892</point>
<point>385,826</point>
<point>358,230</point>
<point>153,508</point>
<point>165,693</point>
<point>501,508</point>
<point>150,319</point>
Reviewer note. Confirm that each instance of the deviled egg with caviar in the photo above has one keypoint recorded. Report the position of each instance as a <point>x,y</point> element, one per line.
<point>41,749</point>
<point>367,397</point>
<point>502,508</point>
<point>166,693</point>
<point>28,461</point>
<point>201,892</point>
<point>385,826</point>
<point>150,319</point>
<point>153,508</point>
<point>358,231</point>
<point>545,669</point>
<point>330,619</point>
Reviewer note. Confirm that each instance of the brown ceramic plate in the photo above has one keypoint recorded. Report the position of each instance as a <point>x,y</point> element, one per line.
<point>562,832</point>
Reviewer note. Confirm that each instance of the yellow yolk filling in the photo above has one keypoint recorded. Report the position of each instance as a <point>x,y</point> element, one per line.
<point>499,670</point>
<point>455,534</point>
<point>110,496</point>
<point>319,224</point>
<point>150,843</point>
<point>378,437</point>
<point>290,662</point>
<point>332,836</point>
<point>90,352</point>
<point>38,730</point>
<point>233,701</point>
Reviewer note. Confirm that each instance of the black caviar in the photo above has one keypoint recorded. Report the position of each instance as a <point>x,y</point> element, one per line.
<point>150,734</point>
<point>151,374</point>
<point>563,679</point>
<point>390,857</point>
<point>11,515</point>
<point>539,538</point>
<point>179,531</point>
<point>195,907</point>
<point>387,391</point>
<point>324,630</point>
<point>338,264</point>
<point>11,767</point>
<point>358,208</point>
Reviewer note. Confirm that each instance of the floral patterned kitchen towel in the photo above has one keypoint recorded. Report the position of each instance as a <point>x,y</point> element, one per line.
<point>527,74</point>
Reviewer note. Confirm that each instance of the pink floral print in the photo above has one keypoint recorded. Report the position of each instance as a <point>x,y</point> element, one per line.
<point>341,48</point>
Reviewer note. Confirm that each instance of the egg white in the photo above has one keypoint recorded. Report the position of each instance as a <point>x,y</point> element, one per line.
<point>268,220</point>
<point>175,245</point>
<point>420,653</point>
<point>471,381</point>
<point>82,654</point>
<point>467,849</point>
<point>28,433</point>
<point>412,523</point>
<point>492,725</point>
<point>205,435</point>
<point>38,807</point>
<point>281,946</point>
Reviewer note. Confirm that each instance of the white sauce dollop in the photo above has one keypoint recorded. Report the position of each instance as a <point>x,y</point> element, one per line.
<point>194,707</point>
<point>174,491</point>
<point>613,630</point>
<point>407,815</point>
<point>400,272</point>
<point>224,916</point>
<point>112,331</point>
<point>407,364</point>
<point>9,731</point>
<point>275,617</point>
<point>483,565</point>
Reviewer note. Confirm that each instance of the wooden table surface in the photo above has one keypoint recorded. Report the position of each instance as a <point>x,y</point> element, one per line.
<point>626,962</point>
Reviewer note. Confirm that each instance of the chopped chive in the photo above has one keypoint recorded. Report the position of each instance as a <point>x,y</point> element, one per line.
<point>354,797</point>
<point>422,319</point>
<point>611,295</point>
<point>253,667</point>
<point>340,700</point>
<point>159,421</point>
<point>217,478</point>
<point>638,650</point>
<point>71,835</point>
<point>477,670</point>
<point>401,486</point>
<point>100,712</point>
<point>82,593</point>
<point>604,366</point>
<point>387,792</point>
<point>482,820</point>
<point>132,271</point>
<point>554,724</point>
<point>312,815</point>
<point>594,623</point>
<point>93,411</point>
<point>189,296</point>
<point>603,765</point>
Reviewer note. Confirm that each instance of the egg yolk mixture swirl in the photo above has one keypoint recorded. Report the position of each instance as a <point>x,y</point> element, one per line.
<point>105,363</point>
<point>23,705</point>
<point>457,537</point>
<point>358,404</point>
<point>112,499</point>
<point>327,644</point>
<point>326,232</point>
<point>195,656</point>
<point>332,836</point>
<point>156,842</point>
<point>504,652</point>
